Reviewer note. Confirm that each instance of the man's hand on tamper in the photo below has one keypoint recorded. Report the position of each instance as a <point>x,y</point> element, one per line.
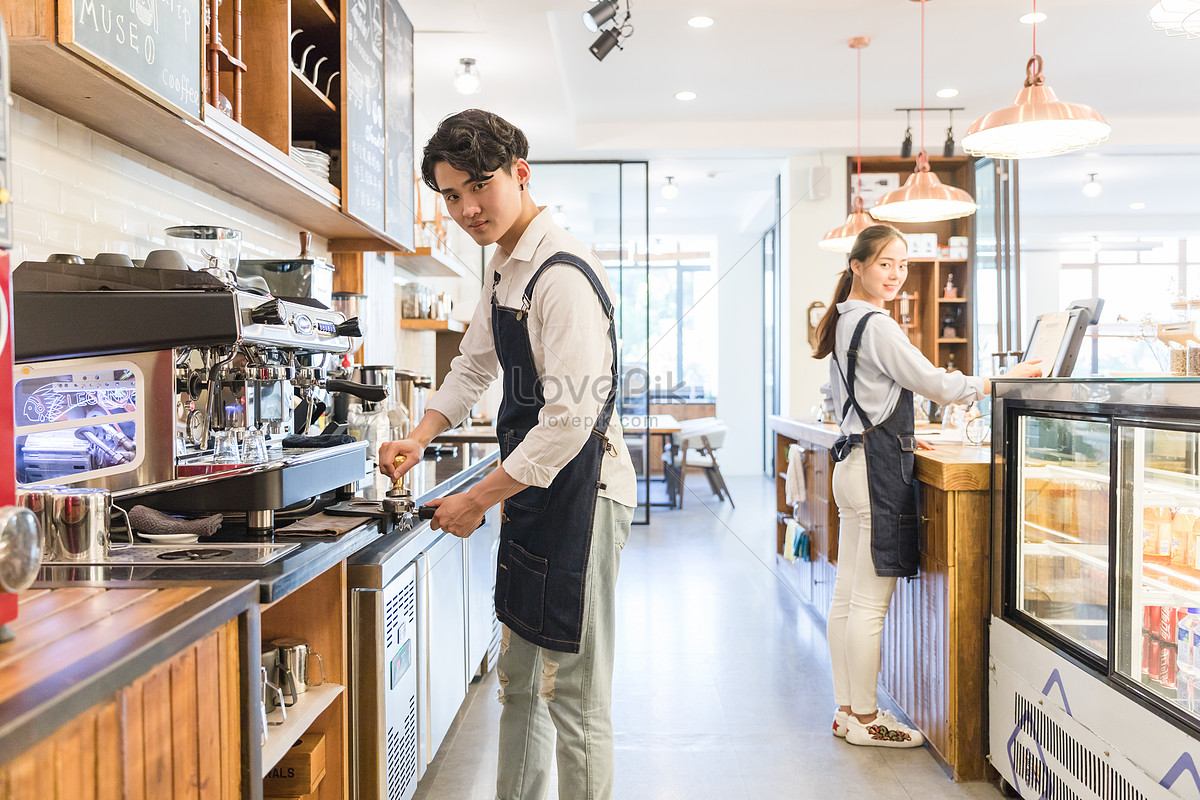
<point>397,458</point>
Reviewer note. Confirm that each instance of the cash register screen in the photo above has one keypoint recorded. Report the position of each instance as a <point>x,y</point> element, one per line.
<point>1057,337</point>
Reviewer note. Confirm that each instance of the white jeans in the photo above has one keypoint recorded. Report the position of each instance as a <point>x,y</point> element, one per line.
<point>860,597</point>
<point>545,692</point>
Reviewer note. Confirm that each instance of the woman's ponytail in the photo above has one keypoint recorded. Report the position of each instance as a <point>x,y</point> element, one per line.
<point>827,327</point>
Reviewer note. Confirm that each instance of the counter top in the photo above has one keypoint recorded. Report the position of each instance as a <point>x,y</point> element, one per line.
<point>276,579</point>
<point>77,644</point>
<point>950,465</point>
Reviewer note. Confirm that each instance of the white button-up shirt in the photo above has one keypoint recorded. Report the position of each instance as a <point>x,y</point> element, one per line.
<point>888,363</point>
<point>568,334</point>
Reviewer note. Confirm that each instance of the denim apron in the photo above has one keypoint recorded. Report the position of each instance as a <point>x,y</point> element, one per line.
<point>545,533</point>
<point>890,452</point>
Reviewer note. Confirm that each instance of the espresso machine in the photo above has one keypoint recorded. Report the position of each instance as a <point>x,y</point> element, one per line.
<point>176,389</point>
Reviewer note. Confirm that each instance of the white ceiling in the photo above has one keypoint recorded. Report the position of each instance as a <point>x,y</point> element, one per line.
<point>775,78</point>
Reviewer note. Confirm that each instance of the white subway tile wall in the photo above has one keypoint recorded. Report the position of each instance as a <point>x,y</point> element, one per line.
<point>76,191</point>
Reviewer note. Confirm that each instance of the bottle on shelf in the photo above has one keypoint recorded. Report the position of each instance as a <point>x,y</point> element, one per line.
<point>1156,534</point>
<point>949,325</point>
<point>950,367</point>
<point>1183,542</point>
<point>951,291</point>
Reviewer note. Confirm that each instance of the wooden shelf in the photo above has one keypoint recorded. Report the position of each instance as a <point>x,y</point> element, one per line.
<point>929,260</point>
<point>952,341</point>
<point>228,62</point>
<point>433,263</point>
<point>440,325</point>
<point>952,299</point>
<point>308,100</point>
<point>299,717</point>
<point>311,15</point>
<point>218,150</point>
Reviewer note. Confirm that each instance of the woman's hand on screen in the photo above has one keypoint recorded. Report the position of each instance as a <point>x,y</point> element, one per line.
<point>1026,369</point>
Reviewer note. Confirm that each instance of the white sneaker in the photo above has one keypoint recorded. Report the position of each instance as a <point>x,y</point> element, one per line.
<point>840,723</point>
<point>883,731</point>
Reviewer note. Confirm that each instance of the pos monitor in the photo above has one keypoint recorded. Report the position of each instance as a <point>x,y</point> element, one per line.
<point>1057,336</point>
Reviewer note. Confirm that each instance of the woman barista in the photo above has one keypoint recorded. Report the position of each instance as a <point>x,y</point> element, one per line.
<point>873,374</point>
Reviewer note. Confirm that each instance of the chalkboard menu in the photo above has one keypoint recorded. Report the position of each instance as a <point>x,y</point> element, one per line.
<point>154,44</point>
<point>398,64</point>
<point>365,134</point>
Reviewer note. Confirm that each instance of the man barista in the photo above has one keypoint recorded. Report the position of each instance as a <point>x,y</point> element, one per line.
<point>545,322</point>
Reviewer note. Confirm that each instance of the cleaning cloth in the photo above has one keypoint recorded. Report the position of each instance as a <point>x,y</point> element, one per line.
<point>332,440</point>
<point>156,523</point>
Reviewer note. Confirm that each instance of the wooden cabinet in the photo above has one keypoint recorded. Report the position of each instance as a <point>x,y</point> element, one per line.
<point>934,649</point>
<point>133,692</point>
<point>924,310</point>
<point>317,613</point>
<point>365,205</point>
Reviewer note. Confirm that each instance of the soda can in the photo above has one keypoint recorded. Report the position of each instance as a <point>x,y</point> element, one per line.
<point>1152,663</point>
<point>1150,616</point>
<point>1146,653</point>
<point>1168,622</point>
<point>1167,666</point>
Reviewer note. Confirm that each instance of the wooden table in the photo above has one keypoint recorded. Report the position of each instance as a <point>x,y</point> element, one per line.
<point>662,425</point>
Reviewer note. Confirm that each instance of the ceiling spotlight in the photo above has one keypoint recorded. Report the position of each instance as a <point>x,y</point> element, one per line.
<point>1092,187</point>
<point>701,22</point>
<point>947,93</point>
<point>466,77</point>
<point>685,96</point>
<point>669,189</point>
<point>600,15</point>
<point>1033,18</point>
<point>607,42</point>
<point>906,145</point>
<point>1136,206</point>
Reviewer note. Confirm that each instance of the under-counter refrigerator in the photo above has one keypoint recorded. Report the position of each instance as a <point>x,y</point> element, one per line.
<point>1095,631</point>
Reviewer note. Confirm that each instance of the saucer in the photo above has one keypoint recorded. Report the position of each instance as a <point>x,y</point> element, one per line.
<point>169,538</point>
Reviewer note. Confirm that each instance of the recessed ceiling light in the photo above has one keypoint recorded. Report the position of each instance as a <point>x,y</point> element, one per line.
<point>1137,206</point>
<point>660,209</point>
<point>1033,17</point>
<point>947,93</point>
<point>685,96</point>
<point>701,22</point>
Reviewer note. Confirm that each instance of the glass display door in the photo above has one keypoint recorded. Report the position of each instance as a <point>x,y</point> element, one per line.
<point>1158,586</point>
<point>1062,530</point>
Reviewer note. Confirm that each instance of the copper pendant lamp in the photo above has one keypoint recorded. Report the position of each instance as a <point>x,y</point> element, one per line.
<point>1037,124</point>
<point>923,197</point>
<point>841,239</point>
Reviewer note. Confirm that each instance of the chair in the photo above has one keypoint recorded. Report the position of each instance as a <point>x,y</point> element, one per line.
<point>696,445</point>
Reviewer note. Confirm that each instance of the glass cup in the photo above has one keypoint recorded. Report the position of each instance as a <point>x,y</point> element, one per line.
<point>225,447</point>
<point>254,447</point>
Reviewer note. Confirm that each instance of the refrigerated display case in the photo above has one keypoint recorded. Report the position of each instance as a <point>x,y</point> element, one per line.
<point>1094,684</point>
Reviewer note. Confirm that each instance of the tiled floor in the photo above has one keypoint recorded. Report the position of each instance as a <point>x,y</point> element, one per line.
<point>722,686</point>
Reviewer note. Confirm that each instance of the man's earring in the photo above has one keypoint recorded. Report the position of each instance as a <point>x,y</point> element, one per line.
<point>522,187</point>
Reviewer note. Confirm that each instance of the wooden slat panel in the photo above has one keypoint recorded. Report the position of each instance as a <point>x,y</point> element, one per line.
<point>208,717</point>
<point>32,636</point>
<point>39,605</point>
<point>156,712</point>
<point>27,671</point>
<point>109,769</point>
<point>29,19</point>
<point>70,775</point>
<point>31,775</point>
<point>133,740</point>
<point>185,753</point>
<point>969,631</point>
<point>231,733</point>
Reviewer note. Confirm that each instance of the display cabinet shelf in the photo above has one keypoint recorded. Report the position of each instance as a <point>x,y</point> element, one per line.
<point>439,325</point>
<point>433,263</point>
<point>312,15</point>
<point>282,732</point>
<point>307,99</point>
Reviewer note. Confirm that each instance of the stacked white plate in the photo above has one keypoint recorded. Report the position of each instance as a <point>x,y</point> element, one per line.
<point>314,161</point>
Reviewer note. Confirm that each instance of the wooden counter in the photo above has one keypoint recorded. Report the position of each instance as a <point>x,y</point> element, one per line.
<point>934,651</point>
<point>130,690</point>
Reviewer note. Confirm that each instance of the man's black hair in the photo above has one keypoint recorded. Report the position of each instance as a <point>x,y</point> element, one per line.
<point>475,142</point>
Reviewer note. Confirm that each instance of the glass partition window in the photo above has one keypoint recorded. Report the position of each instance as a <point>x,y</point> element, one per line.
<point>1062,527</point>
<point>1158,596</point>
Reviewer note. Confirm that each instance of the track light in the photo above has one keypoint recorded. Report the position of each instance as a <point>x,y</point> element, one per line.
<point>1092,187</point>
<point>466,77</point>
<point>948,147</point>
<point>669,189</point>
<point>906,145</point>
<point>600,15</point>
<point>605,44</point>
